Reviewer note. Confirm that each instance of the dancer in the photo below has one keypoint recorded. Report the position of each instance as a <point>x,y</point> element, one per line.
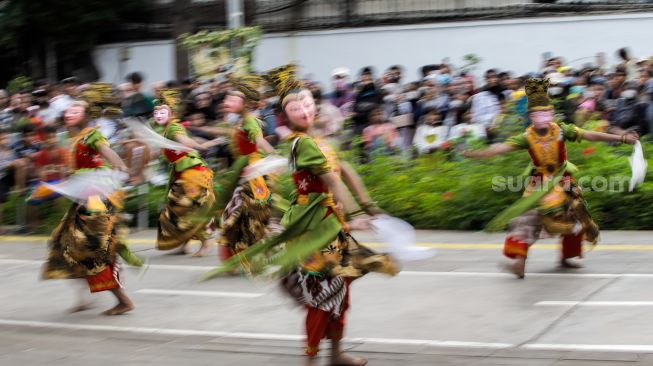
<point>552,202</point>
<point>247,214</point>
<point>185,215</point>
<point>88,239</point>
<point>320,259</point>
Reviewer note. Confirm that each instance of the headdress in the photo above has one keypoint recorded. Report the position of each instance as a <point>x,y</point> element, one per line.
<point>248,85</point>
<point>284,82</point>
<point>172,98</point>
<point>99,97</point>
<point>537,91</point>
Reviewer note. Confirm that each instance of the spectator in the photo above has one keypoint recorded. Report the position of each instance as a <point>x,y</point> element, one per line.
<point>467,130</point>
<point>430,135</point>
<point>203,102</point>
<point>368,98</point>
<point>6,115</point>
<point>136,103</point>
<point>381,135</point>
<point>628,64</point>
<point>616,82</point>
<point>12,173</point>
<point>329,121</point>
<point>51,165</point>
<point>485,104</point>
<point>62,96</point>
<point>630,111</point>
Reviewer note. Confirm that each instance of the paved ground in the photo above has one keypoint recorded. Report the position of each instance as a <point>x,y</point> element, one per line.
<point>454,309</point>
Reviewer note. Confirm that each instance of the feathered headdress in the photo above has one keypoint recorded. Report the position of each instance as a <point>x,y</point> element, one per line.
<point>172,98</point>
<point>248,85</point>
<point>99,96</point>
<point>537,92</point>
<point>285,83</point>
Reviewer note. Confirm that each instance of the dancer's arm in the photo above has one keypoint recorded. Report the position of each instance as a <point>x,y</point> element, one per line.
<point>212,130</point>
<point>494,150</point>
<point>263,144</point>
<point>339,191</point>
<point>627,138</point>
<point>112,157</point>
<point>356,186</point>
<point>187,141</point>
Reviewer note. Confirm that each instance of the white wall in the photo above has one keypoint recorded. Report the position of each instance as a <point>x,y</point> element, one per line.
<point>515,45</point>
<point>156,60</point>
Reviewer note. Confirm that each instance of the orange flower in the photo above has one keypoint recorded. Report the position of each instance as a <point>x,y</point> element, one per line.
<point>447,195</point>
<point>588,151</point>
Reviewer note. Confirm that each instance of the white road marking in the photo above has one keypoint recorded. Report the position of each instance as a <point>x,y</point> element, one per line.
<point>644,348</point>
<point>596,303</point>
<point>192,268</point>
<point>299,338</point>
<point>241,295</point>
<point>243,335</point>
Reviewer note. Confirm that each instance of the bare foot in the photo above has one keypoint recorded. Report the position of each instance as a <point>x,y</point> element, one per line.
<point>80,307</point>
<point>202,251</point>
<point>181,251</point>
<point>346,360</point>
<point>565,263</point>
<point>119,309</point>
<point>518,267</point>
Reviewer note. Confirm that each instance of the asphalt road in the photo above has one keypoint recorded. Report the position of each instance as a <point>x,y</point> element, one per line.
<point>456,308</point>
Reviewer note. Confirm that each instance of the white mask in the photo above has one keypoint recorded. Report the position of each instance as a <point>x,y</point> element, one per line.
<point>629,93</point>
<point>555,90</point>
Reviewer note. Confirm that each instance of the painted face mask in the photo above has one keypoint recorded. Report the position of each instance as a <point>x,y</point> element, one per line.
<point>541,119</point>
<point>301,111</point>
<point>161,115</point>
<point>233,103</point>
<point>74,115</point>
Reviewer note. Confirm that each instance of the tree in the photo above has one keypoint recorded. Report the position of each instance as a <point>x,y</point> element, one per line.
<point>61,34</point>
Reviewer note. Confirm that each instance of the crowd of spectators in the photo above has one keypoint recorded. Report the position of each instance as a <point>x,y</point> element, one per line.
<point>379,112</point>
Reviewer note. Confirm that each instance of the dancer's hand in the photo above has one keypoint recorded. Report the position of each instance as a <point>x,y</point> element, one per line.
<point>363,222</point>
<point>630,138</point>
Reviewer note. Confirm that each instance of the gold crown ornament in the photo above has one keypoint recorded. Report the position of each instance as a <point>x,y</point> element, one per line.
<point>537,92</point>
<point>248,85</point>
<point>285,83</point>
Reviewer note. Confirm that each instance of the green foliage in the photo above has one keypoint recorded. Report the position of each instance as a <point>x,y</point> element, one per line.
<point>19,83</point>
<point>246,37</point>
<point>443,191</point>
<point>435,192</point>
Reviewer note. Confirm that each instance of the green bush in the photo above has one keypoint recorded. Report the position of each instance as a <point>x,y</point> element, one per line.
<point>440,191</point>
<point>434,192</point>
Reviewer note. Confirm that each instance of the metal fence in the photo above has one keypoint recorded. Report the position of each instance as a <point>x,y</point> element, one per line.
<point>285,15</point>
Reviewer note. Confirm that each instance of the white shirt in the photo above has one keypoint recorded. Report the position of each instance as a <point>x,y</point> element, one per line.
<point>428,137</point>
<point>474,130</point>
<point>485,108</point>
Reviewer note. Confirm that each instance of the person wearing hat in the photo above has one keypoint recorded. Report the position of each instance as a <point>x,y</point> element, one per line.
<point>314,254</point>
<point>88,240</point>
<point>186,213</point>
<point>552,201</point>
<point>246,215</point>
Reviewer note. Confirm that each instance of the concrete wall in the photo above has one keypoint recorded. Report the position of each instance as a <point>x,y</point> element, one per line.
<point>515,45</point>
<point>156,60</point>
